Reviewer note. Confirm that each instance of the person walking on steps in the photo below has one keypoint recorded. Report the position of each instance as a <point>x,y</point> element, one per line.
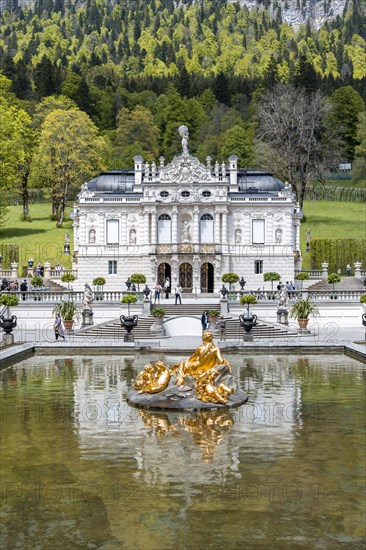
<point>178,293</point>
<point>204,320</point>
<point>59,328</point>
<point>348,270</point>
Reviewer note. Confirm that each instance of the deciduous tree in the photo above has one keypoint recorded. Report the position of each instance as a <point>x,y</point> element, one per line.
<point>70,152</point>
<point>292,122</point>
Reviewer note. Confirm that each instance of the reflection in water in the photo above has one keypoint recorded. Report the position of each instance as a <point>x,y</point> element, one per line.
<point>207,427</point>
<point>80,468</point>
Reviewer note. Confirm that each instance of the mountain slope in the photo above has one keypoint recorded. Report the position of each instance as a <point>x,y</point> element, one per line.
<point>296,12</point>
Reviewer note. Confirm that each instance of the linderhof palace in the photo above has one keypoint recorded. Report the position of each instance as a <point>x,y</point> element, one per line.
<point>186,221</point>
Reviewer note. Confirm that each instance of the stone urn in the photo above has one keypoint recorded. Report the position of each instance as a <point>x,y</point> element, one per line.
<point>248,322</point>
<point>129,323</point>
<point>8,323</point>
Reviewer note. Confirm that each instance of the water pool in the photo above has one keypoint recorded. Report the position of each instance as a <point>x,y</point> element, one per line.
<point>81,469</point>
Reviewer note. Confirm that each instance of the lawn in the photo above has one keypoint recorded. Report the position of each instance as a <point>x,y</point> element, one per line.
<point>42,240</point>
<point>39,239</point>
<point>332,220</point>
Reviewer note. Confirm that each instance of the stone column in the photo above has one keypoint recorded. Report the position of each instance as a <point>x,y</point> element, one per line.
<point>217,227</point>
<point>47,270</point>
<point>175,226</point>
<point>124,239</point>
<point>269,229</point>
<point>224,230</point>
<point>358,270</point>
<point>325,271</point>
<point>153,228</point>
<point>196,225</point>
<point>146,232</point>
<point>14,270</point>
<point>101,238</point>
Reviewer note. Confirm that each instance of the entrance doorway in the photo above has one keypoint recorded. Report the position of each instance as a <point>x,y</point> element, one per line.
<point>185,277</point>
<point>207,277</point>
<point>164,271</point>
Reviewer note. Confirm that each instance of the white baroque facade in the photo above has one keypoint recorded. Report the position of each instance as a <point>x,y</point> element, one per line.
<point>186,221</point>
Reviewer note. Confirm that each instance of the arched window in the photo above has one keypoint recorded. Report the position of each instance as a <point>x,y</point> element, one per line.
<point>164,229</point>
<point>206,229</point>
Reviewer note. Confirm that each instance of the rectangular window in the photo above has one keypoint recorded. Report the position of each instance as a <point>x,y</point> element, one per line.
<point>112,232</point>
<point>112,267</point>
<point>258,267</point>
<point>207,231</point>
<point>164,231</point>
<point>258,231</point>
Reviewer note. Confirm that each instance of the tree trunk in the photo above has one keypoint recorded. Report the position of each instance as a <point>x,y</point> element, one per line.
<point>24,192</point>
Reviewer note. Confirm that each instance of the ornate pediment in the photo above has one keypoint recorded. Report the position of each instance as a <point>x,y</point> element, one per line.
<point>185,169</point>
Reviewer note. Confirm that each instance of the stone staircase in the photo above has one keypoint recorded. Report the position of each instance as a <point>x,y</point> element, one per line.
<point>113,330</point>
<point>346,283</point>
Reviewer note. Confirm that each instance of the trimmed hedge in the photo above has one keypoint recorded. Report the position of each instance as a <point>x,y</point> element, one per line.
<point>335,193</point>
<point>10,253</point>
<point>338,253</point>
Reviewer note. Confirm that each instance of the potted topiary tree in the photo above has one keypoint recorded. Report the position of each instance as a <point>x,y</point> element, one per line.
<point>68,278</point>
<point>37,282</point>
<point>301,310</point>
<point>8,323</point>
<point>271,276</point>
<point>138,279</point>
<point>302,276</point>
<point>129,322</point>
<point>248,320</point>
<point>230,278</point>
<point>99,282</point>
<point>158,314</point>
<point>68,311</point>
<point>332,279</point>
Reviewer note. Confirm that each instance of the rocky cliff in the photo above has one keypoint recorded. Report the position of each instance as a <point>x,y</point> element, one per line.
<point>297,12</point>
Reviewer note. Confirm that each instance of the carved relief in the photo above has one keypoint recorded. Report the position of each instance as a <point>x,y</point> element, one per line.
<point>92,236</point>
<point>278,235</point>
<point>132,239</point>
<point>185,169</point>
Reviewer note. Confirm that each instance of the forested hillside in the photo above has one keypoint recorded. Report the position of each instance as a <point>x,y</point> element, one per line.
<point>130,72</point>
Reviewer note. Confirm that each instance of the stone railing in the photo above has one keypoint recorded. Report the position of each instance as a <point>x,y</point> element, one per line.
<point>313,273</point>
<point>5,273</point>
<point>57,273</point>
<point>55,296</point>
<point>266,296</point>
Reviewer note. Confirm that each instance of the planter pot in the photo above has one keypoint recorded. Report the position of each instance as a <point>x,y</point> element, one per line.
<point>129,322</point>
<point>8,323</point>
<point>213,319</point>
<point>68,324</point>
<point>303,323</point>
<point>248,323</point>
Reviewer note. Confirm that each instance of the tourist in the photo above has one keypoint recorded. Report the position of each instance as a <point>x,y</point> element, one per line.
<point>222,327</point>
<point>13,286</point>
<point>157,293</point>
<point>58,327</point>
<point>204,320</point>
<point>348,270</point>
<point>24,288</point>
<point>38,269</point>
<point>167,287</point>
<point>178,293</point>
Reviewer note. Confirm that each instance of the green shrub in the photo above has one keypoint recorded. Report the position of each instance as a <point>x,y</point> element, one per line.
<point>230,278</point>
<point>9,300</point>
<point>303,308</point>
<point>99,281</point>
<point>138,279</point>
<point>158,312</point>
<point>363,299</point>
<point>68,278</point>
<point>68,310</point>
<point>248,299</point>
<point>333,278</point>
<point>271,276</point>
<point>213,312</point>
<point>302,276</point>
<point>9,253</point>
<point>337,252</point>
<point>37,281</point>
<point>129,299</point>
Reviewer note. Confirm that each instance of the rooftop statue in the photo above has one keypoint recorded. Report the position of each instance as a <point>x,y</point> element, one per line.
<point>183,132</point>
<point>202,381</point>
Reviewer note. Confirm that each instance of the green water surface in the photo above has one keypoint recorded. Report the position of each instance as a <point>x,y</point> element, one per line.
<point>83,470</point>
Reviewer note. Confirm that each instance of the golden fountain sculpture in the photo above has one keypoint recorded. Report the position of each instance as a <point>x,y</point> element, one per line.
<point>202,381</point>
